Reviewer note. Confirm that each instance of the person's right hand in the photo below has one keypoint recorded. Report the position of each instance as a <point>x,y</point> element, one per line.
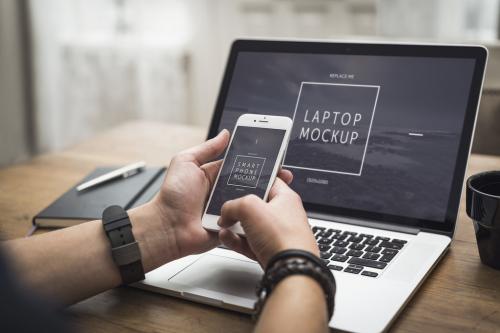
<point>270,227</point>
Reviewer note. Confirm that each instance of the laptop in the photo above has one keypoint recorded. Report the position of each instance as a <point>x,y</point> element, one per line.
<point>382,195</point>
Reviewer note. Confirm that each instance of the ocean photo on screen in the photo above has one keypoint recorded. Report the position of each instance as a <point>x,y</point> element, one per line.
<point>372,133</point>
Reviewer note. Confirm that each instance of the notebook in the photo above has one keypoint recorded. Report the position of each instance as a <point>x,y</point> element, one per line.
<point>75,207</point>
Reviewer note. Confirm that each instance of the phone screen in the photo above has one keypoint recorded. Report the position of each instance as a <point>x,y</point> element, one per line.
<point>248,165</point>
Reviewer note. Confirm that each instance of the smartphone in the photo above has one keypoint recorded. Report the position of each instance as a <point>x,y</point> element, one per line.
<point>251,163</point>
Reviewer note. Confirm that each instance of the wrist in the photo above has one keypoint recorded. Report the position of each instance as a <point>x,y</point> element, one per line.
<point>297,294</point>
<point>300,286</point>
<point>295,262</point>
<point>155,235</point>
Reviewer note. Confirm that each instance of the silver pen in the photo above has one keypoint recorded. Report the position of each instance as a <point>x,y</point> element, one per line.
<point>123,172</point>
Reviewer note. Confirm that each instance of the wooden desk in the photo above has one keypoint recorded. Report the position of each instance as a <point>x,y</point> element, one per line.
<point>461,294</point>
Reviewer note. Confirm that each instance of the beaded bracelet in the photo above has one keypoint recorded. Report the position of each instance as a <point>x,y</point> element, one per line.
<point>295,262</point>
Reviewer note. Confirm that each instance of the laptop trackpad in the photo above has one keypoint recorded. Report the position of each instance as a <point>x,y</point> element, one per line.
<point>221,274</point>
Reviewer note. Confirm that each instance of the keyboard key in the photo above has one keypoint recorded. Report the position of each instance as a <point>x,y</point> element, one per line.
<point>351,233</point>
<point>372,242</point>
<point>370,274</point>
<point>382,238</point>
<point>374,249</point>
<point>326,261</point>
<point>325,241</point>
<point>355,266</point>
<point>335,230</point>
<point>316,229</point>
<point>354,253</point>
<point>371,255</point>
<point>366,235</point>
<point>325,233</point>
<point>339,257</point>
<point>355,239</point>
<point>325,255</point>
<point>391,245</point>
<point>367,263</point>
<point>335,267</point>
<point>341,243</point>
<point>390,252</point>
<point>356,246</point>
<point>317,236</point>
<point>399,241</point>
<point>324,248</point>
<point>386,258</point>
<point>338,249</point>
<point>352,270</point>
<point>339,236</point>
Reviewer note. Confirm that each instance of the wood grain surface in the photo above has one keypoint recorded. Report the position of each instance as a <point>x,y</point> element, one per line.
<point>461,294</point>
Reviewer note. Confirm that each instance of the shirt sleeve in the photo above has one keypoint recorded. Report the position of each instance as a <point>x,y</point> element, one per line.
<point>22,311</point>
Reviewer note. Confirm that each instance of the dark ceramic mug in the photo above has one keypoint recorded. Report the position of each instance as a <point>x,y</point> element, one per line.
<point>483,207</point>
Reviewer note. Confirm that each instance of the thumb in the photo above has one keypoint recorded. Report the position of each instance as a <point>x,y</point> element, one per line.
<point>210,149</point>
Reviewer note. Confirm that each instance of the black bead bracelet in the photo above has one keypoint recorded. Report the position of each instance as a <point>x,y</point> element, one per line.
<point>295,262</point>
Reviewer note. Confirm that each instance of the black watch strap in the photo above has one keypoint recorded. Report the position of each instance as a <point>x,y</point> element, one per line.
<point>124,248</point>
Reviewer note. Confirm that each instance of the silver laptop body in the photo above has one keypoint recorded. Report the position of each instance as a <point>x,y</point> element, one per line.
<point>378,262</point>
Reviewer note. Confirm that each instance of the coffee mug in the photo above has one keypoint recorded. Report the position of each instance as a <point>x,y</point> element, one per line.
<point>483,207</point>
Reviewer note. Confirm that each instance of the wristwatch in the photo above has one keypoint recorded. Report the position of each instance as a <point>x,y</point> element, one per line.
<point>124,248</point>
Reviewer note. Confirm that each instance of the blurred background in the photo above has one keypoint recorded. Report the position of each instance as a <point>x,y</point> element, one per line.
<point>72,68</point>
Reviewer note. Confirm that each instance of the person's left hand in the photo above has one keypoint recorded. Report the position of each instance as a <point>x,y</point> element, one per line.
<point>170,225</point>
<point>184,192</point>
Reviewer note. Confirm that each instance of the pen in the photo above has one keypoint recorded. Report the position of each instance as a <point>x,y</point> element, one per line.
<point>123,172</point>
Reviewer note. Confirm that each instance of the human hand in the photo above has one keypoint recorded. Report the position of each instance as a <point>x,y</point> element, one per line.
<point>271,227</point>
<point>169,227</point>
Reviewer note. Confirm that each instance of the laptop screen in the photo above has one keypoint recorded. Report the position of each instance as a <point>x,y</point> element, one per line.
<point>371,133</point>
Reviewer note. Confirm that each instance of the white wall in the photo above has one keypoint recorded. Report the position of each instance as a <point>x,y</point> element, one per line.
<point>101,62</point>
<point>13,136</point>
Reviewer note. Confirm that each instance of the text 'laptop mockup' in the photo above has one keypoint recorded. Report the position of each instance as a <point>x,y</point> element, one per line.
<point>380,141</point>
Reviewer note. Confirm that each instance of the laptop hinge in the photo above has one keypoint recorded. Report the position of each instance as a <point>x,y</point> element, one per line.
<point>364,223</point>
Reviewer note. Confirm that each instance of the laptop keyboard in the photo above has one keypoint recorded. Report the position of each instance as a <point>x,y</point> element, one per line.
<point>356,253</point>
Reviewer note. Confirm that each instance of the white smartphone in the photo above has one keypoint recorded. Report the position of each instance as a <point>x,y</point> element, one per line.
<point>252,161</point>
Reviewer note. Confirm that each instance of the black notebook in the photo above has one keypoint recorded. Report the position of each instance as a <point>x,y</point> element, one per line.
<point>75,207</point>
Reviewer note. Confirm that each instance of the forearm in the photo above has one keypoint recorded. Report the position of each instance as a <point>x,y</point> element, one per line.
<point>75,263</point>
<point>296,305</point>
